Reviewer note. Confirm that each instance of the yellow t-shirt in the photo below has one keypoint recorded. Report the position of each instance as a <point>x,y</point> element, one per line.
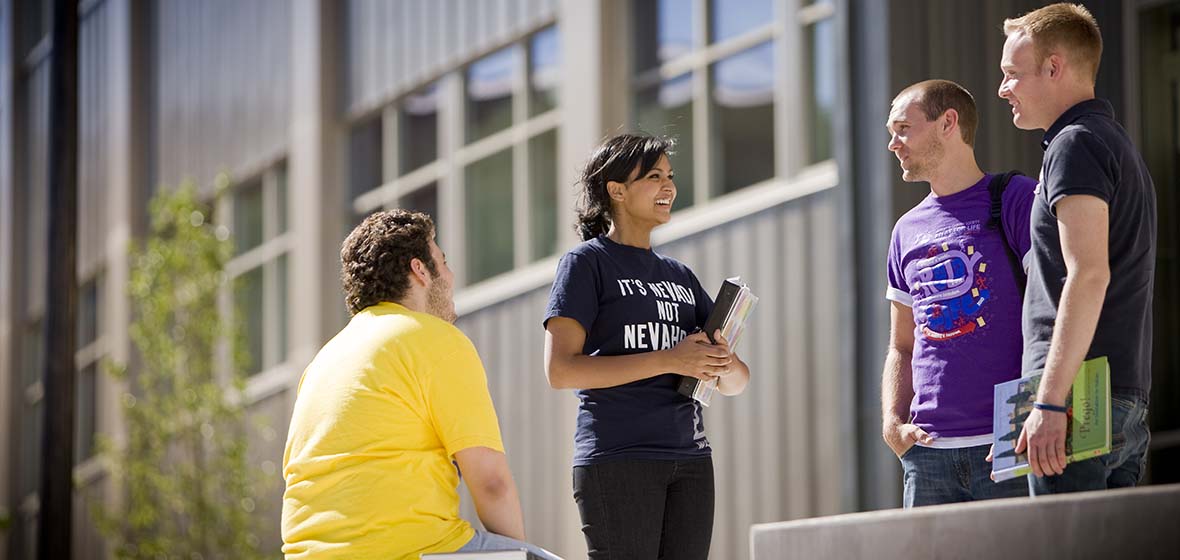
<point>381,411</point>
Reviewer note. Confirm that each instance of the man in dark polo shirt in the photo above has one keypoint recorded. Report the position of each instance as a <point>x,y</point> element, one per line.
<point>1093,231</point>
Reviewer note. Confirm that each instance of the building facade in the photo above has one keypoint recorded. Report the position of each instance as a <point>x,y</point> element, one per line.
<point>480,113</point>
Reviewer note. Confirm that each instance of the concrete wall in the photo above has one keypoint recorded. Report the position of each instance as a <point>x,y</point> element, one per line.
<point>1132,523</point>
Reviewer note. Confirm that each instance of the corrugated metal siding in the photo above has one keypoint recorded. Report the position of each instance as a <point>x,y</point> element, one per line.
<point>392,47</point>
<point>93,125</point>
<point>221,86</point>
<point>774,446</point>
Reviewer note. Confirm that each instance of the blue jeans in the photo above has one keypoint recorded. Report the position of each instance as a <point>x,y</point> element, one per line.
<point>1121,468</point>
<point>645,510</point>
<point>484,541</point>
<point>944,476</point>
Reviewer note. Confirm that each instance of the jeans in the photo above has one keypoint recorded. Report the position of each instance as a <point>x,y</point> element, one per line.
<point>484,541</point>
<point>646,509</point>
<point>943,476</point>
<point>1121,468</point>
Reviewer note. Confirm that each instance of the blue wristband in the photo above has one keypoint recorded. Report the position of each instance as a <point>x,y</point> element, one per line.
<point>1050,407</point>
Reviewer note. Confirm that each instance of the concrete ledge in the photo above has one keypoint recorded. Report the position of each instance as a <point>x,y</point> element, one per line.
<point>1133,523</point>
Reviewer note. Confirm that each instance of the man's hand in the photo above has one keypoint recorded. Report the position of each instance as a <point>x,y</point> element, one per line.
<point>901,437</point>
<point>1044,438</point>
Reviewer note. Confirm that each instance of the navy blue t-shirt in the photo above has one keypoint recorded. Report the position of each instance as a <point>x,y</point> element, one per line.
<point>631,300</point>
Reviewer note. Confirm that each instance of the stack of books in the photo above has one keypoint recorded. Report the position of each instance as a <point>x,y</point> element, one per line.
<point>1088,431</point>
<point>731,313</point>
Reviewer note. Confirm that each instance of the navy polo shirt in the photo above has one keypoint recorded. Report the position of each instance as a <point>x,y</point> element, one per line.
<point>1087,152</point>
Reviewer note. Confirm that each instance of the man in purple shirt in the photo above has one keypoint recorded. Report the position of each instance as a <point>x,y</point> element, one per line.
<point>956,301</point>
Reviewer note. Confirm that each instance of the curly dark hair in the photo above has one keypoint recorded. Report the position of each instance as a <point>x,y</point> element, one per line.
<point>614,160</point>
<point>375,258</point>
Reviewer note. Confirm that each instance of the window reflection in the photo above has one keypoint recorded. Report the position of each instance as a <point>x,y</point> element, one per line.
<point>425,199</point>
<point>364,157</point>
<point>730,18</point>
<point>666,109</point>
<point>85,414</point>
<point>489,216</point>
<point>544,70</point>
<point>419,129</point>
<point>663,31</point>
<point>543,194</point>
<point>821,75</point>
<point>489,93</point>
<point>248,216</point>
<point>742,93</point>
<point>248,293</point>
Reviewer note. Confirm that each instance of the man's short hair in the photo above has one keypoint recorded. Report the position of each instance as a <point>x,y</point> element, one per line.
<point>1068,29</point>
<point>375,258</point>
<point>934,97</point>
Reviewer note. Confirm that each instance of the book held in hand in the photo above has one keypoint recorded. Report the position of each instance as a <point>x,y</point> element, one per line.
<point>731,312</point>
<point>1087,433</point>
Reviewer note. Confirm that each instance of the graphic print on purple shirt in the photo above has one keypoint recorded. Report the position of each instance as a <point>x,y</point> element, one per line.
<point>953,271</point>
<point>951,290</point>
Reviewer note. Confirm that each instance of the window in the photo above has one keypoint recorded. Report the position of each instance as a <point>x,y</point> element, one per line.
<point>260,267</point>
<point>710,86</point>
<point>820,79</point>
<point>489,85</point>
<point>494,175</point>
<point>666,108</point>
<point>510,196</point>
<point>742,96</point>
<point>88,358</point>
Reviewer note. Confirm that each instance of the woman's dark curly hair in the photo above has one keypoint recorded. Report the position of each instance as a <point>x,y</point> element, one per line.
<point>614,160</point>
<point>375,258</point>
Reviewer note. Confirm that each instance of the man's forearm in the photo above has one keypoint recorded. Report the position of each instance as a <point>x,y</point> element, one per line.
<point>1077,319</point>
<point>896,388</point>
<point>500,511</point>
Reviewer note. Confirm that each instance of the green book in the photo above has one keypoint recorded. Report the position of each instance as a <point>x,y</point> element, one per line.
<point>1087,433</point>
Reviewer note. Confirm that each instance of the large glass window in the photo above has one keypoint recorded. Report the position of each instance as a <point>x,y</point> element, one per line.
<point>543,194</point>
<point>364,157</point>
<point>731,18</point>
<point>418,144</point>
<point>666,109</point>
<point>424,199</point>
<point>821,97</point>
<point>544,70</point>
<point>499,176</point>
<point>259,269</point>
<point>733,61</point>
<point>663,31</point>
<point>490,82</point>
<point>88,357</point>
<point>489,223</point>
<point>742,94</point>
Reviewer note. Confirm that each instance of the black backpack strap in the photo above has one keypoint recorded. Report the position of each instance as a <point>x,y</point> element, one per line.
<point>996,189</point>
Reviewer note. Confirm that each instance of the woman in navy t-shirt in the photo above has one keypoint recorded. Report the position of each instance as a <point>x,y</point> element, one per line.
<point>621,327</point>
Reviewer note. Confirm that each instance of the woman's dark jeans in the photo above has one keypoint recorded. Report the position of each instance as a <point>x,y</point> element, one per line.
<point>646,509</point>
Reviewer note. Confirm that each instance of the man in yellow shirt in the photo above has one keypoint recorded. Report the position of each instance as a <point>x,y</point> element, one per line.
<point>386,411</point>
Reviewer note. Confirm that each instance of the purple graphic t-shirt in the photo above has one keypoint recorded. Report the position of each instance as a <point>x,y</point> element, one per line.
<point>953,271</point>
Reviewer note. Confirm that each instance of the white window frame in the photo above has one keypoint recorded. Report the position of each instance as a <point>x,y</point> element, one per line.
<point>275,369</point>
<point>455,154</point>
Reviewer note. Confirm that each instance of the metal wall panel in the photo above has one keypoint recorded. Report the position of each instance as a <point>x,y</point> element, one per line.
<point>392,47</point>
<point>221,87</point>
<point>774,446</point>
